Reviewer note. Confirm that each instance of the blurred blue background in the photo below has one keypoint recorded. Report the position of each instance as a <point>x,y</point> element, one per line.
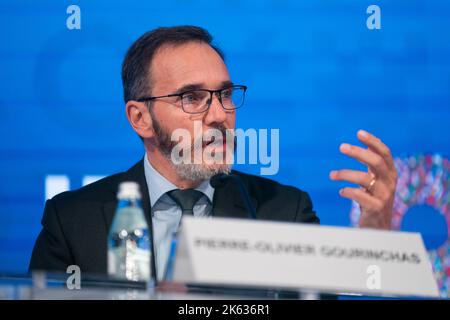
<point>313,68</point>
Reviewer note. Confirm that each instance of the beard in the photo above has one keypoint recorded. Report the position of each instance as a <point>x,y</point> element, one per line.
<point>191,171</point>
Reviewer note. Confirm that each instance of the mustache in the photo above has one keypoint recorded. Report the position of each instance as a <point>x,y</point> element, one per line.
<point>214,139</point>
<point>165,144</point>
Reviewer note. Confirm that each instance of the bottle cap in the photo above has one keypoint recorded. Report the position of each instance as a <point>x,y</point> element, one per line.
<point>129,190</point>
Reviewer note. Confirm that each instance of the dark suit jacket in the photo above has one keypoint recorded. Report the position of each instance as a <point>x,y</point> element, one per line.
<point>76,223</point>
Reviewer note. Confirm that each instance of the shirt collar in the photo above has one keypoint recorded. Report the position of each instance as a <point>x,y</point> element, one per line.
<point>158,185</point>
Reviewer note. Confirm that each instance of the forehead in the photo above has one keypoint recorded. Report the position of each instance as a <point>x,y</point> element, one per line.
<point>175,66</point>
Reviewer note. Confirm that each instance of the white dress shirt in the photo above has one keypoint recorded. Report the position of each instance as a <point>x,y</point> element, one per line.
<point>166,214</point>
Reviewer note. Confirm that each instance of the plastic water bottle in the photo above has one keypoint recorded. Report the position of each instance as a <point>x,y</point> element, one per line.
<point>129,245</point>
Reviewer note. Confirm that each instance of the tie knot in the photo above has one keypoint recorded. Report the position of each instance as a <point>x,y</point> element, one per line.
<point>186,198</point>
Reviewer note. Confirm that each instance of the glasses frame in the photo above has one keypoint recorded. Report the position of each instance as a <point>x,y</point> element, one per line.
<point>218,93</point>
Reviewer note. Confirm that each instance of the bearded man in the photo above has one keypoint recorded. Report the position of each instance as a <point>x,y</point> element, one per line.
<point>175,78</point>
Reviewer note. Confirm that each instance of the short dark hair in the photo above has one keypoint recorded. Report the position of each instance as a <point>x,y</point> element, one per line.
<point>136,64</point>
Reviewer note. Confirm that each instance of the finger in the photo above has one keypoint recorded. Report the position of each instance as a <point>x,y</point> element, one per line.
<point>358,177</point>
<point>364,199</point>
<point>376,145</point>
<point>366,156</point>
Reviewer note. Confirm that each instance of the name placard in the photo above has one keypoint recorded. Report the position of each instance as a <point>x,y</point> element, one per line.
<point>262,254</point>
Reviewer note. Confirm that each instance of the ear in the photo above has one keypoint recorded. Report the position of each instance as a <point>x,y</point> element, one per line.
<point>139,118</point>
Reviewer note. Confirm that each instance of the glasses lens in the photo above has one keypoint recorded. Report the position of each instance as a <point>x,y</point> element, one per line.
<point>195,101</point>
<point>233,98</point>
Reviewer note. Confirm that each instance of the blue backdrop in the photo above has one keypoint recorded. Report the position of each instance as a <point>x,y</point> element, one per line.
<point>313,68</point>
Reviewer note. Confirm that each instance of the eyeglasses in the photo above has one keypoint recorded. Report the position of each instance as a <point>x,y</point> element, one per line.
<point>199,100</point>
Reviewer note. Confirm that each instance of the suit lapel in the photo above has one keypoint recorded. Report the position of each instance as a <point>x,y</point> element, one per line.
<point>135,173</point>
<point>228,202</point>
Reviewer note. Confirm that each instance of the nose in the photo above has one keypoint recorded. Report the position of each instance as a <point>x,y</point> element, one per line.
<point>216,113</point>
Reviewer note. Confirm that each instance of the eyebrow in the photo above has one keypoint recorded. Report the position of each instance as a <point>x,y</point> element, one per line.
<point>197,86</point>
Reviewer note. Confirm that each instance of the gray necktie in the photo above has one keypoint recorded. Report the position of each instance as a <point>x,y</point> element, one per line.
<point>186,199</point>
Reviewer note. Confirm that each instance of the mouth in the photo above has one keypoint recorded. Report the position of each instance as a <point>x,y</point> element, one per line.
<point>212,142</point>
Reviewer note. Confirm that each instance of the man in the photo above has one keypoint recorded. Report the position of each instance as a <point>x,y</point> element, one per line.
<point>174,78</point>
